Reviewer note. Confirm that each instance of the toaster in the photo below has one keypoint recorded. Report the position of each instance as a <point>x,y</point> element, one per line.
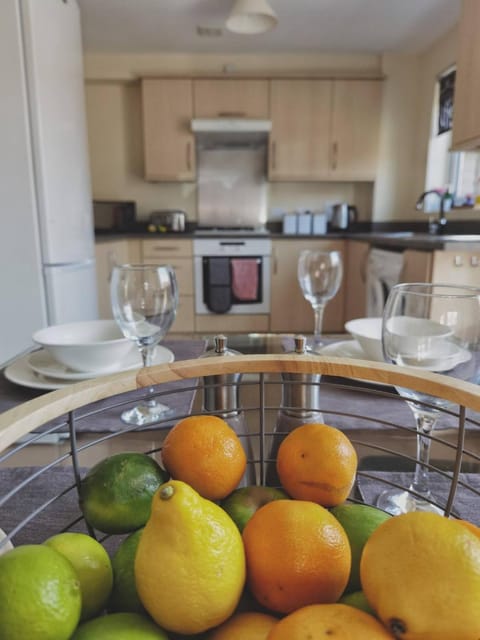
<point>168,220</point>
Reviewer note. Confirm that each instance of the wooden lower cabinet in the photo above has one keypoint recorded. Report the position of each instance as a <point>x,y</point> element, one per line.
<point>356,279</point>
<point>289,311</point>
<point>109,253</point>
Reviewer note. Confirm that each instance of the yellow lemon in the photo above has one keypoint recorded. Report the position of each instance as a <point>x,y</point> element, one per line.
<point>190,561</point>
<point>252,625</point>
<point>92,565</point>
<point>39,594</point>
<point>421,574</point>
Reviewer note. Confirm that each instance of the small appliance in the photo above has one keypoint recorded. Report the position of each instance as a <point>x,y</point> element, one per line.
<point>342,216</point>
<point>169,220</point>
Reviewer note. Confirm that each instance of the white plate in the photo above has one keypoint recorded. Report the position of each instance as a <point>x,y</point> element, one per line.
<point>42,362</point>
<point>20,371</point>
<point>348,349</point>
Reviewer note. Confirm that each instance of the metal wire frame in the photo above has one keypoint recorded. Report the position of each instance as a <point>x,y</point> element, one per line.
<point>261,412</point>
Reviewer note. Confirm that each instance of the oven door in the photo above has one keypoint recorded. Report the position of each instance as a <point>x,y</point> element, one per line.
<point>226,284</point>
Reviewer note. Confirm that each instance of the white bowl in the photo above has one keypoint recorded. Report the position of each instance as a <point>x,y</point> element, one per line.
<point>368,333</point>
<point>92,346</point>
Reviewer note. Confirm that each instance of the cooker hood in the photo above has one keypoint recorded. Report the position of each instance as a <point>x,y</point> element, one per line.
<point>231,130</point>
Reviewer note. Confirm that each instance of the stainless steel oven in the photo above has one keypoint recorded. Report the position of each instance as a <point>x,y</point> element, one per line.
<point>232,274</point>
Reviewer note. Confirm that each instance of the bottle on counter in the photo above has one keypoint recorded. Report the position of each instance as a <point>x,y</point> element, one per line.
<point>300,404</point>
<point>221,397</point>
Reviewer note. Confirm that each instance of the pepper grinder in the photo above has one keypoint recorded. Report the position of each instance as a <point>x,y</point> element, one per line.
<point>300,404</point>
<point>221,397</point>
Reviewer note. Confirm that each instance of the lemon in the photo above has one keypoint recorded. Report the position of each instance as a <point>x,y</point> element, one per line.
<point>359,522</point>
<point>124,593</point>
<point>190,562</point>
<point>39,594</point>
<point>115,494</point>
<point>119,626</point>
<point>93,567</point>
<point>421,574</point>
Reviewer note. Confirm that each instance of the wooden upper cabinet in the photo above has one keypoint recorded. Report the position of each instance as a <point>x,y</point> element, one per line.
<point>235,98</point>
<point>355,129</point>
<point>300,136</point>
<point>324,129</point>
<point>169,145</point>
<point>466,114</point>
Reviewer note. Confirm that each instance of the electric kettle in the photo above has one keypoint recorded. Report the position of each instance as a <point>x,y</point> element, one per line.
<point>342,216</point>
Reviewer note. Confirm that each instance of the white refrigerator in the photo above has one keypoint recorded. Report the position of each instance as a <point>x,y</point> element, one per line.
<point>47,250</point>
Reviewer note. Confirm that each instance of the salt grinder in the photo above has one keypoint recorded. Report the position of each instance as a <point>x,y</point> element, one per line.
<point>300,404</point>
<point>221,397</point>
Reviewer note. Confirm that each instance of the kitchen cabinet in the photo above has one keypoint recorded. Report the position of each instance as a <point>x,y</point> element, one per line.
<point>289,311</point>
<point>169,145</point>
<point>179,254</point>
<point>234,98</point>
<point>324,129</point>
<point>356,279</point>
<point>456,267</point>
<point>466,117</point>
<point>109,253</point>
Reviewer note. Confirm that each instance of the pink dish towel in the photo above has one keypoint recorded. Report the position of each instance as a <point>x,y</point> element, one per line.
<point>244,278</point>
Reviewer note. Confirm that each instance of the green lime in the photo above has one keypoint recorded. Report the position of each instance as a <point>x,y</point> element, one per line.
<point>119,626</point>
<point>359,522</point>
<point>93,567</point>
<point>242,503</point>
<point>124,594</point>
<point>358,600</point>
<point>116,494</point>
<point>40,595</point>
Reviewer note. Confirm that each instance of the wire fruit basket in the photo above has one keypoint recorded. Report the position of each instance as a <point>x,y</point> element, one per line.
<point>39,485</point>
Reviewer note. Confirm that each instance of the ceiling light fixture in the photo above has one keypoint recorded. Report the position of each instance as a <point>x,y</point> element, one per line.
<point>251,17</point>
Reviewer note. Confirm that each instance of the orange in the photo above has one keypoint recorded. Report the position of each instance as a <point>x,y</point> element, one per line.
<point>319,621</point>
<point>421,574</point>
<point>206,453</point>
<point>243,626</point>
<point>317,462</point>
<point>297,554</point>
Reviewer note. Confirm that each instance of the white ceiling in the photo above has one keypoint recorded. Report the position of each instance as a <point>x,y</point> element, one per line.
<point>343,26</point>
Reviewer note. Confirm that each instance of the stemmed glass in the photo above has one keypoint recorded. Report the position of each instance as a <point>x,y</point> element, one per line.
<point>320,276</point>
<point>144,304</point>
<point>431,327</point>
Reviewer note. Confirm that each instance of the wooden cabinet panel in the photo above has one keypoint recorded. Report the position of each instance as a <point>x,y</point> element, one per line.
<point>356,279</point>
<point>231,323</point>
<point>107,255</point>
<point>231,98</point>
<point>355,129</point>
<point>417,266</point>
<point>177,253</point>
<point>289,311</point>
<point>169,145</point>
<point>466,115</point>
<point>456,267</point>
<point>300,137</point>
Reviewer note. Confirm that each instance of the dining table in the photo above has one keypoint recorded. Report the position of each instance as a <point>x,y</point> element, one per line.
<point>373,416</point>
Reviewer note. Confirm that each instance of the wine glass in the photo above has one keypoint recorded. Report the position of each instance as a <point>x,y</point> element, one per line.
<point>319,275</point>
<point>430,327</point>
<point>144,304</point>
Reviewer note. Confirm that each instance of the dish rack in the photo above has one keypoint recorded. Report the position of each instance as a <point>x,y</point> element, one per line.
<point>39,497</point>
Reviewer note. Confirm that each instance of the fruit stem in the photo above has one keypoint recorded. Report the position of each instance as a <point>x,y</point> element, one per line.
<point>166,492</point>
<point>397,627</point>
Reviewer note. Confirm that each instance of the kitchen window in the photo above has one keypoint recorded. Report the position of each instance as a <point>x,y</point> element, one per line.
<point>455,170</point>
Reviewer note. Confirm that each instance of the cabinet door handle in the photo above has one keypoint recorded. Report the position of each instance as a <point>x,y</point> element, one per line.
<point>474,262</point>
<point>189,156</point>
<point>273,150</point>
<point>334,155</point>
<point>231,114</point>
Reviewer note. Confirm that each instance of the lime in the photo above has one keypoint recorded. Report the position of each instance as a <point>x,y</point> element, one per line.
<point>93,567</point>
<point>359,522</point>
<point>119,626</point>
<point>124,594</point>
<point>358,600</point>
<point>116,494</point>
<point>242,503</point>
<point>39,594</point>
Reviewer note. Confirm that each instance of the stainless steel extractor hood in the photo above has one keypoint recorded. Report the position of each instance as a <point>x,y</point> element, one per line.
<point>231,130</point>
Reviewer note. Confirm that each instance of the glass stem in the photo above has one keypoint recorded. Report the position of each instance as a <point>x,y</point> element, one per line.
<point>425,425</point>
<point>147,356</point>
<point>317,332</point>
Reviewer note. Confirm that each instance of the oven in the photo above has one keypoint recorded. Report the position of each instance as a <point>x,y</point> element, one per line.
<point>232,274</point>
